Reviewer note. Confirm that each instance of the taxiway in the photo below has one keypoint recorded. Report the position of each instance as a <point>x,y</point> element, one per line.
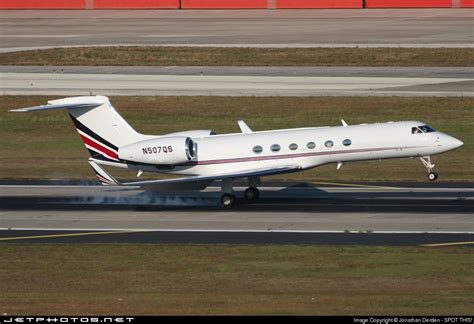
<point>67,83</point>
<point>33,29</point>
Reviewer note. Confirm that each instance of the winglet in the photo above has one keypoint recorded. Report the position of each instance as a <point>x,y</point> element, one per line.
<point>244,127</point>
<point>104,177</point>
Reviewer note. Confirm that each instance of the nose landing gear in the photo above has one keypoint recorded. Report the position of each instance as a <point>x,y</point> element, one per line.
<point>432,175</point>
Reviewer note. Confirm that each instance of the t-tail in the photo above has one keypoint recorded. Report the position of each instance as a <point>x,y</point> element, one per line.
<point>99,125</point>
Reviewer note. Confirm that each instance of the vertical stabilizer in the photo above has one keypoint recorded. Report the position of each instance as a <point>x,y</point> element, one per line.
<point>101,128</point>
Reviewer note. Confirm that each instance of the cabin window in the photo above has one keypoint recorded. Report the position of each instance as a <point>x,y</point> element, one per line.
<point>346,142</point>
<point>293,146</point>
<point>311,145</point>
<point>257,149</point>
<point>329,144</point>
<point>275,148</point>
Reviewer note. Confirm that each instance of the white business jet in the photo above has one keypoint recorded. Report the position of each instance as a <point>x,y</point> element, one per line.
<point>203,156</point>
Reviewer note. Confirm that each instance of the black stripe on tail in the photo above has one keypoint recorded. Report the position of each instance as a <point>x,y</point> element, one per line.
<point>89,132</point>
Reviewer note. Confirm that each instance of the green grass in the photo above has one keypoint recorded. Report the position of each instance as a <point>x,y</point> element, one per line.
<point>192,56</point>
<point>76,279</point>
<point>46,145</point>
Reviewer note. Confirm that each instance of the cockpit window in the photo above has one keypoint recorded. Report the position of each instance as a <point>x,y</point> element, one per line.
<point>426,129</point>
<point>422,129</point>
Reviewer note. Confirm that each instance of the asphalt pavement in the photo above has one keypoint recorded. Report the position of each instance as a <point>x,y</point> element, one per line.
<point>33,29</point>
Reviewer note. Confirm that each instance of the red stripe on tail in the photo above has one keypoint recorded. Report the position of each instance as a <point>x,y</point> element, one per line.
<point>98,147</point>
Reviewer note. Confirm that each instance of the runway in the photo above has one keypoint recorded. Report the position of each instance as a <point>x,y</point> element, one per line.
<point>432,240</point>
<point>444,72</point>
<point>33,29</point>
<point>68,84</point>
<point>389,214</point>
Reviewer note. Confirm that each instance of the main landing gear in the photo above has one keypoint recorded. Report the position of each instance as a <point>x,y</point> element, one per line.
<point>227,200</point>
<point>432,175</point>
<point>250,194</point>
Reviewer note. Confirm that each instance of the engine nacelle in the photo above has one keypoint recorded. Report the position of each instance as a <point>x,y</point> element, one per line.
<point>163,150</point>
<point>194,133</point>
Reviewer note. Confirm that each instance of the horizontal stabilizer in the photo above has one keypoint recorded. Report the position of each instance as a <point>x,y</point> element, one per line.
<point>58,106</point>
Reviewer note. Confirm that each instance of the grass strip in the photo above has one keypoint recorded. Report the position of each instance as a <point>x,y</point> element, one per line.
<point>88,279</point>
<point>202,56</point>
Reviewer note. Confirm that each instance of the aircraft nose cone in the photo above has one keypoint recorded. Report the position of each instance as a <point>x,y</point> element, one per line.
<point>453,143</point>
<point>457,143</point>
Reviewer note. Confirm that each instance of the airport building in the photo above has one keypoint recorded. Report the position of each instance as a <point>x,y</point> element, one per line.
<point>231,4</point>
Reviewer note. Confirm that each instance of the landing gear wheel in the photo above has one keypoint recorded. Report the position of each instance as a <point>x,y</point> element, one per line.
<point>227,200</point>
<point>426,160</point>
<point>432,176</point>
<point>251,194</point>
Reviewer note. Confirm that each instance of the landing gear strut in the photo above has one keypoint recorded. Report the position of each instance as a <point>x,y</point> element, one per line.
<point>432,175</point>
<point>228,197</point>
<point>252,193</point>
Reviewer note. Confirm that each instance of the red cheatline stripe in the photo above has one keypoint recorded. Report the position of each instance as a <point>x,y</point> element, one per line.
<point>98,147</point>
<point>288,156</point>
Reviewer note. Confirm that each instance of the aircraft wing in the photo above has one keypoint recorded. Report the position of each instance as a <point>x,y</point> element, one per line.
<point>195,182</point>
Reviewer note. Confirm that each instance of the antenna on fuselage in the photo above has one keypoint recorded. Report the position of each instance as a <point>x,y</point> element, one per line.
<point>343,122</point>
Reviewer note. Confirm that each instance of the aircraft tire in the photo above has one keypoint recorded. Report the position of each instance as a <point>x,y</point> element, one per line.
<point>227,200</point>
<point>251,194</point>
<point>432,176</point>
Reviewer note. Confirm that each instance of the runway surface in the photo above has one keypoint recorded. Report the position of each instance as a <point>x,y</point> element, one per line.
<point>32,29</point>
<point>251,237</point>
<point>451,72</point>
<point>386,214</point>
<point>319,84</point>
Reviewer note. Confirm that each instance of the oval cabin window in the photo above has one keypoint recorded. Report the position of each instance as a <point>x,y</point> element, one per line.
<point>293,146</point>
<point>329,144</point>
<point>275,148</point>
<point>311,145</point>
<point>346,142</point>
<point>257,149</point>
